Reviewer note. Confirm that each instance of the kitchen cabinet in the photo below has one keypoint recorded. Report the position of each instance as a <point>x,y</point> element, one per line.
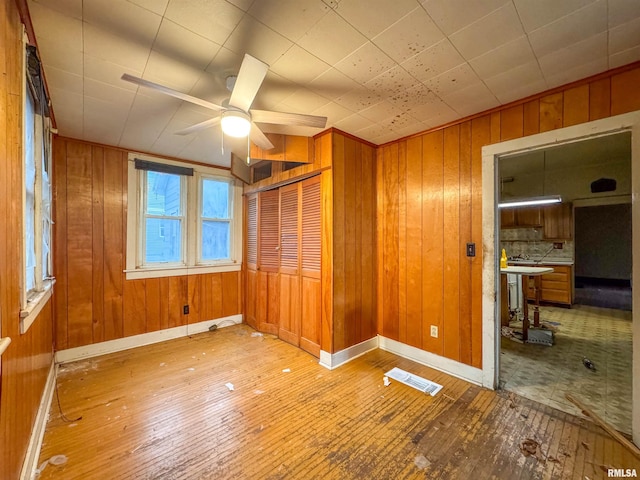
<point>558,221</point>
<point>556,287</point>
<point>286,148</point>
<point>521,217</point>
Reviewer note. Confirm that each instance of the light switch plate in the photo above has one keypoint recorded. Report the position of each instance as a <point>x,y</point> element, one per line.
<point>434,331</point>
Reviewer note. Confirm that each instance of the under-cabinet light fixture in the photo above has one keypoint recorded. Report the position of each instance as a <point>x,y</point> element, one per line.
<point>532,201</point>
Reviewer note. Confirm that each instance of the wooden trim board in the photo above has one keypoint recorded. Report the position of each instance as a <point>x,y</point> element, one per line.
<point>335,360</point>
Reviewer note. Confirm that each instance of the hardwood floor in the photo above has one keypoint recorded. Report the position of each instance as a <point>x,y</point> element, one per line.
<point>163,412</point>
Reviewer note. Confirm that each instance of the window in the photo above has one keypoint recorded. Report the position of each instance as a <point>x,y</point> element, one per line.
<point>36,258</point>
<point>187,220</point>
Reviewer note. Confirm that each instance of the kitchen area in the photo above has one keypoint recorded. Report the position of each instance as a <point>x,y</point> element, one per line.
<point>565,291</point>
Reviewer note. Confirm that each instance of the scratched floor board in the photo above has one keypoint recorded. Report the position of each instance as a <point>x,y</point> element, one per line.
<point>163,412</point>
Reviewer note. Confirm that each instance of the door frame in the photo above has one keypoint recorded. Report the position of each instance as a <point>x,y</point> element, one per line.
<point>629,122</point>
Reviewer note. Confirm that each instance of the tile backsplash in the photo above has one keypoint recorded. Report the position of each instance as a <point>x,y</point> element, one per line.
<point>529,242</point>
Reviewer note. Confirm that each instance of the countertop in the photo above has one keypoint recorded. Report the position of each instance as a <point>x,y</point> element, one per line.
<point>532,261</point>
<point>530,271</point>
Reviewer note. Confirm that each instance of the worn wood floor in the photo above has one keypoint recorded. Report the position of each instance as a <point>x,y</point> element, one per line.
<point>163,412</point>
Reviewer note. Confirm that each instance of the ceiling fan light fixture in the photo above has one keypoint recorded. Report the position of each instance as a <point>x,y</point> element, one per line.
<point>235,123</point>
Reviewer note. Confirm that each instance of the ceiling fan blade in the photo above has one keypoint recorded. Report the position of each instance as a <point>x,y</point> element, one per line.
<point>199,126</point>
<point>283,118</point>
<point>170,91</point>
<point>259,138</point>
<point>250,77</point>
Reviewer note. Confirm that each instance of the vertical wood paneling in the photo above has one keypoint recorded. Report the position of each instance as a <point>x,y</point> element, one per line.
<point>351,310</point>
<point>465,236</point>
<point>326,285</point>
<point>625,94</point>
<point>576,105</point>
<point>135,308</point>
<point>551,112</point>
<point>432,240</point>
<point>80,242</point>
<point>511,122</point>
<point>367,251</point>
<point>230,294</point>
<point>600,99</point>
<point>152,303</point>
<point>339,240</point>
<point>194,300</point>
<point>97,234</point>
<point>390,318</point>
<point>402,242</point>
<point>59,182</point>
<point>451,324</point>
<point>531,120</point>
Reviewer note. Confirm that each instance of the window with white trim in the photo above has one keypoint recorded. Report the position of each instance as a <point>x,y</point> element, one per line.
<point>187,219</point>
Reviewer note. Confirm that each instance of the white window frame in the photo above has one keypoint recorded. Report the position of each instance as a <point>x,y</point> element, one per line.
<point>200,177</point>
<point>34,300</point>
<point>135,266</point>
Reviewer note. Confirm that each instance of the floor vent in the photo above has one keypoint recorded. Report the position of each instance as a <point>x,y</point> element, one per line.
<point>414,381</point>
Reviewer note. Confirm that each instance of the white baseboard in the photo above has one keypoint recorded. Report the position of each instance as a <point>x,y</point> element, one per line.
<point>331,361</point>
<point>37,432</point>
<point>446,365</point>
<point>111,346</point>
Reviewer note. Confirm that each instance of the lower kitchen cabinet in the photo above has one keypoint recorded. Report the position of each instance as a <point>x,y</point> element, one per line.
<point>557,287</point>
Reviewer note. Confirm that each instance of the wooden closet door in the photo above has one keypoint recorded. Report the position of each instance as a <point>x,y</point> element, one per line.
<point>252,261</point>
<point>290,307</point>
<point>268,261</point>
<point>311,259</point>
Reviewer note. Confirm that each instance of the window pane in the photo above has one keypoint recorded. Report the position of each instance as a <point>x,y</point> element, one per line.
<point>215,198</point>
<point>30,188</point>
<point>215,240</point>
<point>163,240</point>
<point>163,194</point>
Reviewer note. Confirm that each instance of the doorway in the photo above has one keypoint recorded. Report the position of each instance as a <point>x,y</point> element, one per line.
<point>629,123</point>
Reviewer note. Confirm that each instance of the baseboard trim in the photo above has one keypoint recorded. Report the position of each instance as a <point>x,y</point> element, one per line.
<point>111,346</point>
<point>446,365</point>
<point>334,360</point>
<point>37,432</point>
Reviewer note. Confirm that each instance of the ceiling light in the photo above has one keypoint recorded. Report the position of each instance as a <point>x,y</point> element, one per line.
<point>235,123</point>
<point>524,202</point>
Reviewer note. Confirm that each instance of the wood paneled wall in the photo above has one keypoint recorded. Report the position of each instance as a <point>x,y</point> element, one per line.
<point>354,241</point>
<point>26,362</point>
<point>94,301</point>
<point>429,206</point>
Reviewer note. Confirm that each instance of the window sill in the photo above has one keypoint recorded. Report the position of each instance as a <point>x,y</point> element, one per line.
<point>35,304</point>
<point>141,273</point>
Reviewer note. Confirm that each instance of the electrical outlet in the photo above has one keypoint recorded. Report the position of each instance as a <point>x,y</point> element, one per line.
<point>558,245</point>
<point>185,309</point>
<point>434,331</point>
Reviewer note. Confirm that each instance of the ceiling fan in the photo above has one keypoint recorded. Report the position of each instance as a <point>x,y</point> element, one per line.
<point>236,117</point>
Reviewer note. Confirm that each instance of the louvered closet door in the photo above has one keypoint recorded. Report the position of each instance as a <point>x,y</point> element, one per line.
<point>311,259</point>
<point>252,260</point>
<point>268,261</point>
<point>290,307</point>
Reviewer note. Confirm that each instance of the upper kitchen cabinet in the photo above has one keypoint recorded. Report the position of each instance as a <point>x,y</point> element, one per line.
<point>558,221</point>
<point>286,148</point>
<point>521,217</point>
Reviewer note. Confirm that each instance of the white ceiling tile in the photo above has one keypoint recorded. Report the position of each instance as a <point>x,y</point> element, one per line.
<point>114,48</point>
<point>64,80</point>
<point>577,54</point>
<point>332,84</point>
<point>372,131</point>
<point>516,91</point>
<point>147,119</point>
<point>625,57</point>
<point>471,99</point>
<point>177,42</point>
<point>68,109</point>
<point>570,29</point>
<point>117,98</point>
<point>213,19</point>
<point>170,72</point>
<point>255,38</point>
<point>292,18</point>
<point>373,16</point>
<point>299,66</point>
<point>409,36</point>
<point>511,54</point>
<point>398,122</point>
<point>334,112</point>
<point>303,101</point>
<point>155,6</point>
<point>127,20</point>
<point>317,40</point>
<point>420,102</point>
<point>68,60</point>
<point>273,91</point>
<point>210,87</point>
<point>384,138</point>
<point>586,69</point>
<point>624,36</point>
<point>188,115</point>
<point>353,122</point>
<point>171,145</point>
<point>108,72</point>
<point>453,15</point>
<point>207,149</point>
<point>56,29</point>
<point>489,32</point>
<point>392,82</point>
<point>225,63</point>
<point>70,8</point>
<point>383,109</point>
<point>455,79</point>
<point>358,99</point>
<point>622,11</point>
<point>433,61</point>
<point>517,76</point>
<point>541,12</point>
<point>365,63</point>
<point>242,4</point>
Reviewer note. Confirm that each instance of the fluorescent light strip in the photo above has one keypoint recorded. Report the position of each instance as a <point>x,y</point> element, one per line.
<point>531,201</point>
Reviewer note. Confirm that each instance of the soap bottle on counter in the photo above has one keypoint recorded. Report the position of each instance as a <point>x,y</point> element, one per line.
<point>503,259</point>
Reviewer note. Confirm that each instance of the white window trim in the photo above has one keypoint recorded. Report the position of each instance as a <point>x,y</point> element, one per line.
<point>134,270</point>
